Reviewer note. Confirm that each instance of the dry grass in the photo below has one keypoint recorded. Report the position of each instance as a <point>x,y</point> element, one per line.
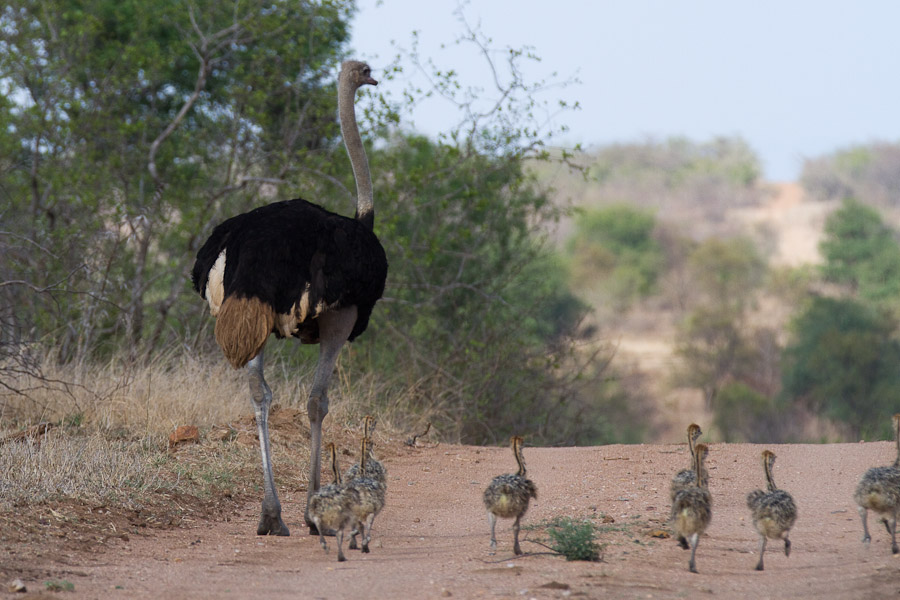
<point>151,400</point>
<point>113,423</point>
<point>137,400</point>
<point>89,468</point>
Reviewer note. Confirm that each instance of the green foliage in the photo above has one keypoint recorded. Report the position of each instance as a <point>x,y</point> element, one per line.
<point>478,324</point>
<point>790,284</point>
<point>479,305</point>
<point>711,345</point>
<point>59,585</point>
<point>714,342</point>
<point>728,271</point>
<point>862,253</point>
<point>744,415</point>
<point>841,360</point>
<point>135,125</point>
<point>138,126</point>
<point>842,363</point>
<point>574,539</point>
<point>616,244</point>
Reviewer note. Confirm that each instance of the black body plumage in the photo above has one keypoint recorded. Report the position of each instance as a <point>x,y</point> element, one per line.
<point>277,252</point>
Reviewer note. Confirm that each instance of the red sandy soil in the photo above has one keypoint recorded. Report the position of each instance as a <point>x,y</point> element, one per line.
<point>432,539</point>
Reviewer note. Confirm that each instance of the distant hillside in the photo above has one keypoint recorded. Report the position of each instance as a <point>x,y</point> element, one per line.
<point>785,224</point>
<point>791,221</point>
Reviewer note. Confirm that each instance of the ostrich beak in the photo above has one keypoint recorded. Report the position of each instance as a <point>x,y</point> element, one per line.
<point>370,81</point>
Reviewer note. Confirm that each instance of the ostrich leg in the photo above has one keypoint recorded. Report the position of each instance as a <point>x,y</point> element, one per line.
<point>334,329</point>
<point>892,529</point>
<point>864,515</point>
<point>270,522</point>
<point>692,565</point>
<point>492,519</point>
<point>762,552</point>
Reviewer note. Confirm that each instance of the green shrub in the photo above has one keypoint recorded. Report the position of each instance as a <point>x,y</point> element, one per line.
<point>744,415</point>
<point>574,539</point>
<point>841,364</point>
<point>616,244</point>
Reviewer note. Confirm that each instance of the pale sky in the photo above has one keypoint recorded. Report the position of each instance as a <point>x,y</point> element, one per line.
<point>795,78</point>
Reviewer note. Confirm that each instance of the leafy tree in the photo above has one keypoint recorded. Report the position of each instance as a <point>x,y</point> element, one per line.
<point>714,342</point>
<point>744,415</point>
<point>862,253</point>
<point>478,313</point>
<point>842,362</point>
<point>472,295</point>
<point>712,347</point>
<point>727,272</point>
<point>138,124</point>
<point>616,245</point>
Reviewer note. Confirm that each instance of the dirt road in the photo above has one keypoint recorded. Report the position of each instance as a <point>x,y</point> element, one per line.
<point>431,541</point>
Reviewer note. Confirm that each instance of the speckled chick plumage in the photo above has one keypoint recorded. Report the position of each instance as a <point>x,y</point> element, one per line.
<point>372,495</point>
<point>773,511</point>
<point>686,477</point>
<point>330,508</point>
<point>879,491</point>
<point>508,496</point>
<point>692,507</point>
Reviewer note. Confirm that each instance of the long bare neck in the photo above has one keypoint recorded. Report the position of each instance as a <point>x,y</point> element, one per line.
<point>365,206</point>
<point>517,450</point>
<point>770,480</point>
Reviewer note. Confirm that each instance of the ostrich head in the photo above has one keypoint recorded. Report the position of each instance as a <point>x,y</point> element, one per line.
<point>358,73</point>
<point>694,432</point>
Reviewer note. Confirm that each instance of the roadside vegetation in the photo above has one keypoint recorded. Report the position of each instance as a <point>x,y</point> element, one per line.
<point>129,129</point>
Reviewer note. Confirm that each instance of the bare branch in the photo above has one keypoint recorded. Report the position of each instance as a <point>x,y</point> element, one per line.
<point>28,240</point>
<point>202,74</point>
<point>46,288</point>
<point>205,54</point>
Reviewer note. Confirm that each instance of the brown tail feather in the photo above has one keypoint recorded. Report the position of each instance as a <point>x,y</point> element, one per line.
<point>242,328</point>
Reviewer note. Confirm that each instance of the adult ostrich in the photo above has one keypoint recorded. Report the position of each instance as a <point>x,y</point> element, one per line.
<point>293,268</point>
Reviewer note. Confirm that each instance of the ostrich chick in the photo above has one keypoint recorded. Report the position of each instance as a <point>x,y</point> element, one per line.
<point>330,508</point>
<point>686,478</point>
<point>692,507</point>
<point>773,511</point>
<point>371,496</point>
<point>373,470</point>
<point>879,490</point>
<point>508,495</point>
